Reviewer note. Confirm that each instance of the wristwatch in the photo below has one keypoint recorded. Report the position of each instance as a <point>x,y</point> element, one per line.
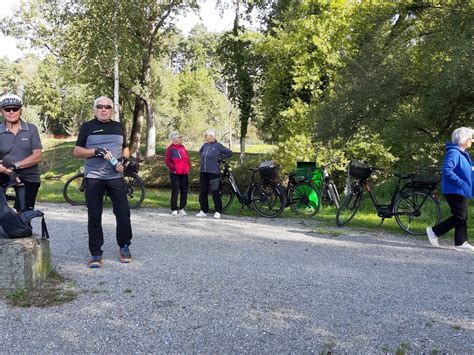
<point>17,166</point>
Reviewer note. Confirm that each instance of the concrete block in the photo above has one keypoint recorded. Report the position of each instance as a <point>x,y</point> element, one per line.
<point>24,262</point>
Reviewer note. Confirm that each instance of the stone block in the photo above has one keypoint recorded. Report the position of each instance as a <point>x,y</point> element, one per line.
<point>24,262</point>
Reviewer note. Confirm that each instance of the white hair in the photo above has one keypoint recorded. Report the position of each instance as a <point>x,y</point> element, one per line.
<point>462,134</point>
<point>102,98</point>
<point>211,132</point>
<point>173,135</point>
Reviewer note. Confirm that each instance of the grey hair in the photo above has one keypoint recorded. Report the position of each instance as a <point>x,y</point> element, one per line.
<point>173,135</point>
<point>101,98</point>
<point>211,132</point>
<point>462,134</point>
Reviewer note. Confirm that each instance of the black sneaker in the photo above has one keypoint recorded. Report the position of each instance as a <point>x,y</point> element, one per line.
<point>125,256</point>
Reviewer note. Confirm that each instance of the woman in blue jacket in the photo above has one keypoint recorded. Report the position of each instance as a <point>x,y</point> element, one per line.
<point>212,152</point>
<point>457,186</point>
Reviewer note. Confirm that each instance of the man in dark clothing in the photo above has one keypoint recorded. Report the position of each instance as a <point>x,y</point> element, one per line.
<point>101,142</point>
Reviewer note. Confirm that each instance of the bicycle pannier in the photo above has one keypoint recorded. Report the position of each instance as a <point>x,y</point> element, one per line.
<point>14,225</point>
<point>360,170</point>
<point>268,170</point>
<point>424,180</point>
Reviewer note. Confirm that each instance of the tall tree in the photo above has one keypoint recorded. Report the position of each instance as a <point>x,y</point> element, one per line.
<point>239,62</point>
<point>301,54</point>
<point>81,33</point>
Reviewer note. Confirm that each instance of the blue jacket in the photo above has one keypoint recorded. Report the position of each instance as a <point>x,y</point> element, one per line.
<point>457,177</point>
<point>211,154</point>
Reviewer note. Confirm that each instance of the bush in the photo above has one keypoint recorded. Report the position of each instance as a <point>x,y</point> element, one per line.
<point>296,148</point>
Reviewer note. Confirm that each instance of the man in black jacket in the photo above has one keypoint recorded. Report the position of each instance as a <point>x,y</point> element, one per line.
<point>101,142</point>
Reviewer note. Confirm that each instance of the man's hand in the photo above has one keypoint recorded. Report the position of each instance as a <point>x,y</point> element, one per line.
<point>103,152</point>
<point>119,167</point>
<point>100,152</point>
<point>4,170</point>
<point>8,164</point>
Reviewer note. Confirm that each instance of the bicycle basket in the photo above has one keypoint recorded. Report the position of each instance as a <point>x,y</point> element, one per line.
<point>359,170</point>
<point>268,170</point>
<point>132,166</point>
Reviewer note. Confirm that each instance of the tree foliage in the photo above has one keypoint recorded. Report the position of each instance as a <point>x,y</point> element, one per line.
<point>408,77</point>
<point>87,36</point>
<point>301,55</point>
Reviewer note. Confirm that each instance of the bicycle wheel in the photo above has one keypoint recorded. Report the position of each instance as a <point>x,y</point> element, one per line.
<point>348,208</point>
<point>304,200</point>
<point>415,210</point>
<point>227,195</point>
<point>267,199</point>
<point>333,194</point>
<point>73,190</point>
<point>135,190</point>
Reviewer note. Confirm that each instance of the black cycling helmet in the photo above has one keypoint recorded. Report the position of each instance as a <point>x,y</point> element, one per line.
<point>10,100</point>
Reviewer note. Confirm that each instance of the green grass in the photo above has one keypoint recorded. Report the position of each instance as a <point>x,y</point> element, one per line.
<point>59,164</point>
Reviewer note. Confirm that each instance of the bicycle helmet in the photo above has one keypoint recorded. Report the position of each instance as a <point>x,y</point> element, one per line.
<point>10,100</point>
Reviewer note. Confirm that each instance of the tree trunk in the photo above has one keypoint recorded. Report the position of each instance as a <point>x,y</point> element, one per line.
<point>242,149</point>
<point>150,132</point>
<point>135,134</point>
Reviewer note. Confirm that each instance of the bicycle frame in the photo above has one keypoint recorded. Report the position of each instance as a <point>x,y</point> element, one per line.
<point>383,210</point>
<point>227,175</point>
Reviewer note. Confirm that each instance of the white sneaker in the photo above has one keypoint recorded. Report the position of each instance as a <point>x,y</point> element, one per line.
<point>432,237</point>
<point>201,214</point>
<point>464,247</point>
<point>174,213</point>
<point>182,213</point>
<point>217,215</point>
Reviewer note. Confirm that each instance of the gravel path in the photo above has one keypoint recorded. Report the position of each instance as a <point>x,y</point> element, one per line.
<point>248,285</point>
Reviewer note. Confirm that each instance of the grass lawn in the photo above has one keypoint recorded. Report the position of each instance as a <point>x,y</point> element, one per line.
<point>59,164</point>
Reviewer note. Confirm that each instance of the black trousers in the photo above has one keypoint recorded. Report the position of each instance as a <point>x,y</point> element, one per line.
<point>179,185</point>
<point>117,192</point>
<point>207,180</point>
<point>26,196</point>
<point>458,220</point>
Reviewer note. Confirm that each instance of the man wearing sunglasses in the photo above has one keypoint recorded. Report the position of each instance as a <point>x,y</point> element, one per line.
<point>100,142</point>
<point>20,150</point>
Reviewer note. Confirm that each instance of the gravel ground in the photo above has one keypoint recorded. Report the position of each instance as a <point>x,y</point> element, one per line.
<point>248,285</point>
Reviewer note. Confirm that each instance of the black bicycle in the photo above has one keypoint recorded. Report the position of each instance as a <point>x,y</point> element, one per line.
<point>73,190</point>
<point>327,186</point>
<point>413,205</point>
<point>263,196</point>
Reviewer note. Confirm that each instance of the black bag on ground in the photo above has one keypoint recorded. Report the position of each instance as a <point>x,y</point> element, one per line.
<point>18,225</point>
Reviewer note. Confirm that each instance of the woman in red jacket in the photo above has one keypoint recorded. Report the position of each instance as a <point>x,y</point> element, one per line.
<point>177,161</point>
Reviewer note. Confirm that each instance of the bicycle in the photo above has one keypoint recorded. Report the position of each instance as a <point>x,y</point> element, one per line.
<point>302,195</point>
<point>263,196</point>
<point>413,205</point>
<point>327,186</point>
<point>73,190</point>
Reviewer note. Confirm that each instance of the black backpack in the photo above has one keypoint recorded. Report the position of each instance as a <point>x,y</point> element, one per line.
<point>18,225</point>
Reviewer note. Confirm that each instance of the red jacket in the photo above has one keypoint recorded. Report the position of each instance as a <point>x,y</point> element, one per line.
<point>177,160</point>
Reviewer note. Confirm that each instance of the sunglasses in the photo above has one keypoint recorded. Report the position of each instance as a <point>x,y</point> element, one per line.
<point>11,109</point>
<point>100,107</point>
